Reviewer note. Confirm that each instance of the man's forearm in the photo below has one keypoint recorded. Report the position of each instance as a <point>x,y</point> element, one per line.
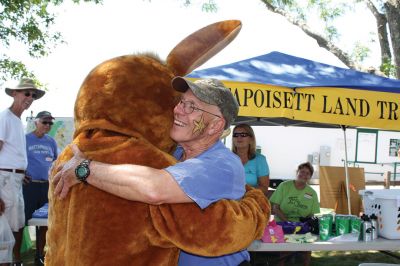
<point>137,183</point>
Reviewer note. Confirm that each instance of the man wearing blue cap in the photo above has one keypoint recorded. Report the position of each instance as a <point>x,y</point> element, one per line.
<point>42,152</point>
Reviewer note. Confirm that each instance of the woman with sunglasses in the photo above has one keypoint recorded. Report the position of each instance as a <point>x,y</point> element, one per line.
<point>255,164</point>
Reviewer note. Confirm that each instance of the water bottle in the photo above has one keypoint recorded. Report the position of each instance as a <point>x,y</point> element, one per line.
<point>361,234</point>
<point>374,223</point>
<point>366,229</point>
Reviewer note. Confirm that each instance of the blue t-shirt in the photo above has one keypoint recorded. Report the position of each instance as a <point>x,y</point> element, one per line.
<point>215,174</point>
<point>255,168</point>
<point>41,154</point>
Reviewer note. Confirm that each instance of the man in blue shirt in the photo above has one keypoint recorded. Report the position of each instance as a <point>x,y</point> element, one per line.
<point>42,151</point>
<point>207,171</point>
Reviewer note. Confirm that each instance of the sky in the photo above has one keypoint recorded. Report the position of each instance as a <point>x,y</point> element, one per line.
<point>94,33</point>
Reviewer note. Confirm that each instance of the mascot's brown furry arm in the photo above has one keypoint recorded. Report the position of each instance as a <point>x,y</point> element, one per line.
<point>123,114</point>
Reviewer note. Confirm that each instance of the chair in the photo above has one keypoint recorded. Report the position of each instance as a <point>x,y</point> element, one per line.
<point>274,183</point>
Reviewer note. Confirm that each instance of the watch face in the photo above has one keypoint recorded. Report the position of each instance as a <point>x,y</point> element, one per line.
<point>81,171</point>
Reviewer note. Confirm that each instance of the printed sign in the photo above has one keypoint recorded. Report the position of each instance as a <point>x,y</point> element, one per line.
<point>62,130</point>
<point>341,106</point>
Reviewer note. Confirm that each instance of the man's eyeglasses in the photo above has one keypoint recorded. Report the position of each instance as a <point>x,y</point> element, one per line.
<point>47,123</point>
<point>28,93</point>
<point>242,135</point>
<point>188,108</point>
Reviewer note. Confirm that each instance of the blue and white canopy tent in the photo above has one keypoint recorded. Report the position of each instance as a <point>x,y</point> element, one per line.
<point>277,89</point>
<point>283,72</point>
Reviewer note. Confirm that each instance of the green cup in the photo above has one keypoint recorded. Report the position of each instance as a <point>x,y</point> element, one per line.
<point>355,225</point>
<point>342,225</point>
<point>325,227</point>
<point>330,218</point>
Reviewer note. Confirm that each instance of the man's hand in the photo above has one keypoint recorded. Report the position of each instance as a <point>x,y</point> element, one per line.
<point>2,207</point>
<point>65,177</point>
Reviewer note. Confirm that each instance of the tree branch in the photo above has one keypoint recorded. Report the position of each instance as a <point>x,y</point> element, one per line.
<point>392,8</point>
<point>381,25</point>
<point>321,40</point>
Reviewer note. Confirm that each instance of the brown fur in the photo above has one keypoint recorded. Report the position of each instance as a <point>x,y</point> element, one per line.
<point>123,113</point>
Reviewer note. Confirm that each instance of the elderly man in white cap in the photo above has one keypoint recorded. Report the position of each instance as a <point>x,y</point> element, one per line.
<point>13,158</point>
<point>207,171</point>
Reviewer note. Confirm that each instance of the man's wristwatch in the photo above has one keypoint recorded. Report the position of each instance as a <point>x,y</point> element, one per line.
<point>82,171</point>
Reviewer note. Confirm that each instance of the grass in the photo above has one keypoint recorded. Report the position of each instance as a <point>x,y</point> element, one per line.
<point>29,257</point>
<point>353,258</point>
<point>330,258</point>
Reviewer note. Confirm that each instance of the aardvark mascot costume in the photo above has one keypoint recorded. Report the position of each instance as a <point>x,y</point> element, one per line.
<point>123,114</point>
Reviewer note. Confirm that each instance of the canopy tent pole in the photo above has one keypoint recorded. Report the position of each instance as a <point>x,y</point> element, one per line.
<point>346,170</point>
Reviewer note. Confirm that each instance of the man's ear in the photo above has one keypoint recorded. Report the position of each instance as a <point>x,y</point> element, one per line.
<point>217,126</point>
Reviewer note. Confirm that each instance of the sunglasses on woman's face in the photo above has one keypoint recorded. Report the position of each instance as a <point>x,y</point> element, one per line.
<point>242,135</point>
<point>47,123</point>
<point>28,93</point>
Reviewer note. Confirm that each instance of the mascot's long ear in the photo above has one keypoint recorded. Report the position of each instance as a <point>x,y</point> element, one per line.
<point>201,45</point>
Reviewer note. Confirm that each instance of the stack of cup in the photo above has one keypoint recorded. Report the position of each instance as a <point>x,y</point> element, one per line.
<point>325,226</point>
<point>342,224</point>
<point>355,225</point>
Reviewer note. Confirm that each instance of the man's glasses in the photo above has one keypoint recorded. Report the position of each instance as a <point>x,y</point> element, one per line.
<point>47,123</point>
<point>28,93</point>
<point>242,135</point>
<point>188,108</point>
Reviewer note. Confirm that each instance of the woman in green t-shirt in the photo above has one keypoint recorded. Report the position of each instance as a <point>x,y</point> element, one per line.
<point>294,199</point>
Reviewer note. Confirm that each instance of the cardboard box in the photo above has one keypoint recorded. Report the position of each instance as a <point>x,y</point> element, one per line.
<point>332,185</point>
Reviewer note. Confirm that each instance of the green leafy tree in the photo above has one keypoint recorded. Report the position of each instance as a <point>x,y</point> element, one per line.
<point>301,12</point>
<point>27,22</point>
<point>385,12</point>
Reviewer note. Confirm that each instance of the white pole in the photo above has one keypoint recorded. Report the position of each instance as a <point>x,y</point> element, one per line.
<point>346,170</point>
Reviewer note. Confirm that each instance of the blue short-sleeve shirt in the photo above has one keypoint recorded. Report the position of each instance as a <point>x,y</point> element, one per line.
<point>41,154</point>
<point>255,168</point>
<point>213,175</point>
